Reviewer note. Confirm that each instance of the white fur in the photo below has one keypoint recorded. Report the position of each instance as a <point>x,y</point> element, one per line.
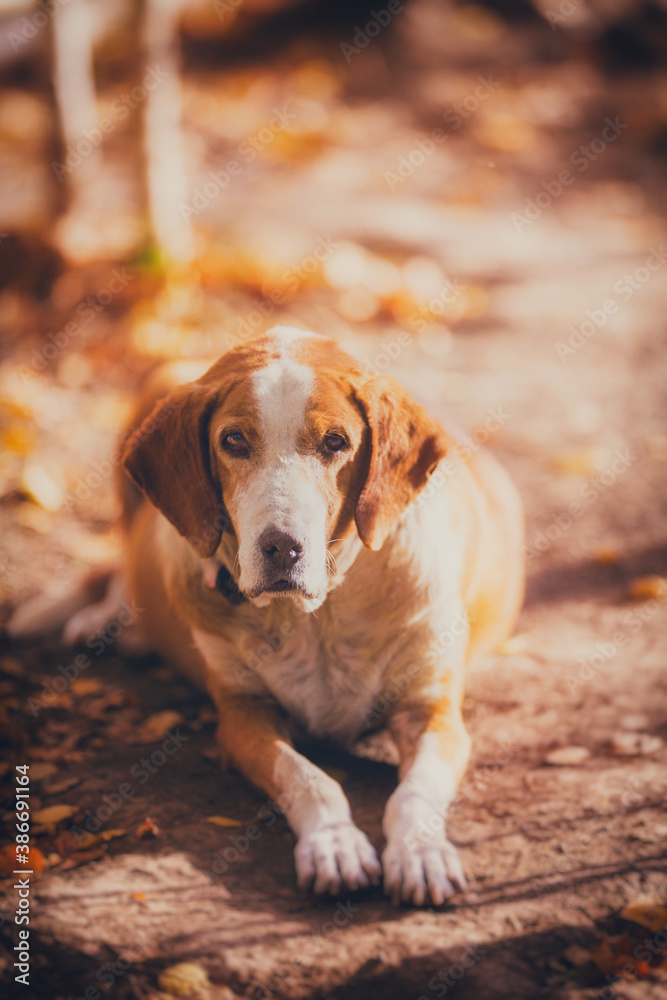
<point>332,666</point>
<point>418,858</point>
<point>283,493</point>
<point>329,673</point>
<point>94,617</point>
<point>330,849</point>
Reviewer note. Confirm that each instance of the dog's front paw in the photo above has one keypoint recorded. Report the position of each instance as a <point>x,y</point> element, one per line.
<point>413,871</point>
<point>336,856</point>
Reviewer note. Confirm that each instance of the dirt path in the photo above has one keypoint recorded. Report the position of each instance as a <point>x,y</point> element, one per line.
<point>546,335</point>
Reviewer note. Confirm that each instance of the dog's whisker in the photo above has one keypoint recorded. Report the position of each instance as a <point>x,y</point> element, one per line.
<point>331,563</point>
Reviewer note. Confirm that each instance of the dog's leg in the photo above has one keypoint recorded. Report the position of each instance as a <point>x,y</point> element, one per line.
<point>93,617</point>
<point>331,851</point>
<point>47,611</point>
<point>418,860</point>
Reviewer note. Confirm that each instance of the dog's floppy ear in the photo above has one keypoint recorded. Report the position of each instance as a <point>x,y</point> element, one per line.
<point>168,458</point>
<point>405,448</point>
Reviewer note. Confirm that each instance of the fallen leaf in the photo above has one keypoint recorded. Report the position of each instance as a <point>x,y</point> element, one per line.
<point>108,835</point>
<point>41,487</point>
<point>69,843</point>
<point>148,830</point>
<point>9,864</point>
<point>85,685</point>
<point>567,756</point>
<point>634,744</point>
<point>59,785</point>
<point>646,588</point>
<point>615,954</point>
<point>183,980</point>
<point>577,955</point>
<point>607,555</point>
<point>583,462</point>
<point>646,913</point>
<point>41,770</point>
<point>223,821</point>
<point>358,305</point>
<point>157,726</point>
<point>82,858</point>
<point>10,665</point>
<point>517,644</point>
<point>207,715</point>
<point>53,814</point>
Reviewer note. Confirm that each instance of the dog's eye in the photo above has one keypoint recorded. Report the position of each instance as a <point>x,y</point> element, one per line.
<point>235,442</point>
<point>334,443</point>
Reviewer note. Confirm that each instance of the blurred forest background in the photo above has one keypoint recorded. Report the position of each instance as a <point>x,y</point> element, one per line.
<point>472,197</point>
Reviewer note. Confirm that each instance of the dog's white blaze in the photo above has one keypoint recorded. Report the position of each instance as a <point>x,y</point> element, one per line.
<point>282,391</point>
<point>282,493</point>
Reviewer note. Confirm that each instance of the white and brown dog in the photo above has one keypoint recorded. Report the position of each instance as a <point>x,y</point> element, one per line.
<point>284,493</point>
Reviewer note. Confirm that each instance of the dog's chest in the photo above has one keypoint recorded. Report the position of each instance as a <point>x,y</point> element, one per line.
<point>326,684</point>
<point>337,662</point>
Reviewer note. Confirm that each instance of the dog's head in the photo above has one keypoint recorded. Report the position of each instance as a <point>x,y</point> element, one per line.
<point>288,445</point>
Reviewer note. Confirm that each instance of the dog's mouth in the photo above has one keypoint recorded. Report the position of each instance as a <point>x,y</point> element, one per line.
<point>276,588</point>
<point>280,586</point>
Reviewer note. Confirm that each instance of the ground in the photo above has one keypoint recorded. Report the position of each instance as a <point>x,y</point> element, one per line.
<point>537,315</point>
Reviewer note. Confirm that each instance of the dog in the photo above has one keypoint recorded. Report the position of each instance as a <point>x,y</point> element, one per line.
<point>286,494</point>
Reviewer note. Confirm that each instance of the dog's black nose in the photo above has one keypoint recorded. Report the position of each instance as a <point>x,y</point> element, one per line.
<point>281,550</point>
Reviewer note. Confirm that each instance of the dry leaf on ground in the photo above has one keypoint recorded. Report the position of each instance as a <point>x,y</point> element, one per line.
<point>223,821</point>
<point>53,814</point>
<point>567,756</point>
<point>634,744</point>
<point>184,980</point>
